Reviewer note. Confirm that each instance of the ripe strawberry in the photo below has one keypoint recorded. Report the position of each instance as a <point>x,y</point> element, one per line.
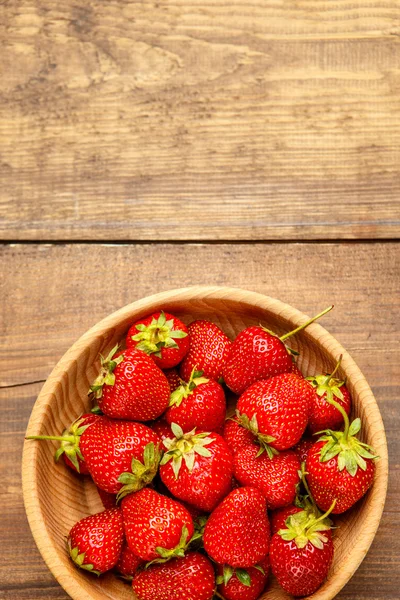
<point>128,562</point>
<point>301,553</point>
<point>130,386</point>
<point>258,353</point>
<point>295,369</point>
<point>188,578</point>
<point>242,584</point>
<point>108,500</point>
<point>162,336</point>
<point>275,477</point>
<point>95,543</point>
<point>198,403</point>
<point>302,448</point>
<point>278,517</point>
<point>208,350</point>
<point>276,410</point>
<point>122,456</point>
<point>236,436</point>
<point>173,379</point>
<point>323,414</point>
<point>237,532</point>
<point>156,526</point>
<point>162,429</point>
<point>69,446</point>
<point>197,467</point>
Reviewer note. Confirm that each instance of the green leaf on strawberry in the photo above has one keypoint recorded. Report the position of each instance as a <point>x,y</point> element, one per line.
<point>106,376</point>
<point>185,389</point>
<point>158,335</point>
<point>184,447</point>
<point>263,439</point>
<point>142,473</point>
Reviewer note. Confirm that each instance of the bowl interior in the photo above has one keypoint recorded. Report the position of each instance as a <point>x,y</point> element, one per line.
<point>55,498</point>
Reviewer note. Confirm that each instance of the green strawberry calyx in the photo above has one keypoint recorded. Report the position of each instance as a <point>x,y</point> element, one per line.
<point>186,389</point>
<point>158,335</point>
<point>178,552</point>
<point>79,559</point>
<point>350,452</point>
<point>327,385</point>
<point>262,438</point>
<point>142,473</point>
<point>304,527</point>
<point>69,442</point>
<point>184,447</point>
<point>106,375</point>
<point>242,574</point>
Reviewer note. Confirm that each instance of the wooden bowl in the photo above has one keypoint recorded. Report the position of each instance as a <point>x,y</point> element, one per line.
<point>55,498</point>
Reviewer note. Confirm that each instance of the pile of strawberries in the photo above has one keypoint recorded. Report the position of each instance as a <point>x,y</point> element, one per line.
<point>202,501</point>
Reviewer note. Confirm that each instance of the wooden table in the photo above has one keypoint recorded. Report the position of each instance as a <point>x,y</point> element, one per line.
<point>148,145</point>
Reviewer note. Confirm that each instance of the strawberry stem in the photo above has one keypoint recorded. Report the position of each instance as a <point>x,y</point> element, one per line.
<point>321,314</point>
<point>59,438</point>
<point>335,369</point>
<point>344,415</point>
<point>328,512</point>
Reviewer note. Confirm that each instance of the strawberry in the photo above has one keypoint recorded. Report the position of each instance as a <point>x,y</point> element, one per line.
<point>275,477</point>
<point>162,429</point>
<point>95,543</point>
<point>173,379</point>
<point>156,526</point>
<point>302,448</point>
<point>242,584</point>
<point>237,531</point>
<point>278,517</point>
<point>208,350</point>
<point>258,353</point>
<point>130,386</point>
<point>236,436</point>
<point>188,578</point>
<point>122,456</point>
<point>323,414</point>
<point>295,369</point>
<point>276,410</point>
<point>302,552</point>
<point>108,500</point>
<point>198,403</point>
<point>197,467</point>
<point>162,336</point>
<point>128,562</point>
<point>69,447</point>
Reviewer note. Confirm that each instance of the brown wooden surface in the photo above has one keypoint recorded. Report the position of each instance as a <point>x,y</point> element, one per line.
<point>55,293</point>
<point>188,120</point>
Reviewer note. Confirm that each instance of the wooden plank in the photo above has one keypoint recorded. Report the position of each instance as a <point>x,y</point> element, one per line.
<point>24,575</point>
<point>192,120</point>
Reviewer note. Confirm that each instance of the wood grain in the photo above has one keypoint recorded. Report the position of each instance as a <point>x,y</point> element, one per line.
<point>188,120</point>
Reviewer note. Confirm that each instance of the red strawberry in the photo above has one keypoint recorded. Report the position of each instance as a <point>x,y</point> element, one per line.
<point>197,467</point>
<point>173,379</point>
<point>295,369</point>
<point>128,562</point>
<point>130,386</point>
<point>188,578</point>
<point>122,456</point>
<point>198,403</point>
<point>69,446</point>
<point>258,353</point>
<point>108,500</point>
<point>156,526</point>
<point>242,584</point>
<point>208,350</point>
<point>323,414</point>
<point>301,553</point>
<point>275,477</point>
<point>276,410</point>
<point>303,447</point>
<point>237,532</point>
<point>95,543</point>
<point>278,517</point>
<point>162,336</point>
<point>236,436</point>
<point>162,429</point>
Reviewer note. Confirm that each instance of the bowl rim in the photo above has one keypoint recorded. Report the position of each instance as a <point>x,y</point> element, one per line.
<point>377,494</point>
